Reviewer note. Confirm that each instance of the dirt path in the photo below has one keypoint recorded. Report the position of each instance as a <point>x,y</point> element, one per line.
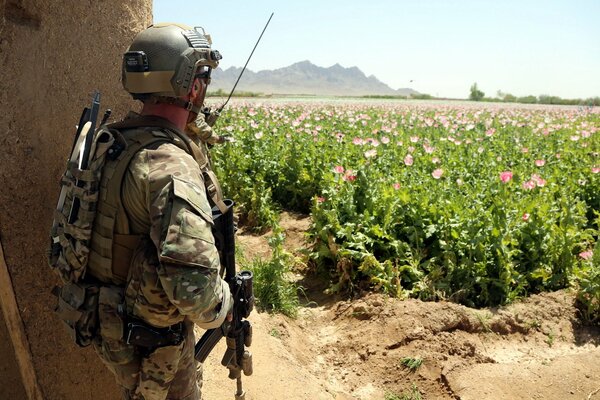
<point>354,351</point>
<point>534,349</point>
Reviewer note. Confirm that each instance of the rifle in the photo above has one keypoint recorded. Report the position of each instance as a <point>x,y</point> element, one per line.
<point>238,332</point>
<point>211,116</point>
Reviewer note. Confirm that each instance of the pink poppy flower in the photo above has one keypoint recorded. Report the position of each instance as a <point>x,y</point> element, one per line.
<point>506,176</point>
<point>349,176</point>
<point>437,174</point>
<point>258,135</point>
<point>525,217</point>
<point>396,185</point>
<point>414,139</point>
<point>428,149</point>
<point>385,140</point>
<point>538,180</point>
<point>529,185</point>
<point>540,163</point>
<point>595,170</point>
<point>320,199</point>
<point>338,169</point>
<point>408,160</point>
<point>586,255</point>
<point>490,132</point>
<point>357,141</point>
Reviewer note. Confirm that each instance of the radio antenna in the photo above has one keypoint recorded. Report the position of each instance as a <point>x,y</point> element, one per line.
<point>245,65</point>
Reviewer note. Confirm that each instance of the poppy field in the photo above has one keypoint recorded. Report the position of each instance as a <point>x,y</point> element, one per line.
<point>476,205</point>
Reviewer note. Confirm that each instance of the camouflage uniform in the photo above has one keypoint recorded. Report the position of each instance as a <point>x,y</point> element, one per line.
<point>202,134</point>
<point>174,274</point>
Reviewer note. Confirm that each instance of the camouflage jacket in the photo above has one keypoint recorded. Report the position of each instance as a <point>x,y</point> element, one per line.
<point>176,274</point>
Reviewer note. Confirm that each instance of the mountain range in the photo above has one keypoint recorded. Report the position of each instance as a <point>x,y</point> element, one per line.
<point>305,78</point>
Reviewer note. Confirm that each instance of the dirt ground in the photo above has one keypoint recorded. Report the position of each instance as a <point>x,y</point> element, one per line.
<point>339,349</point>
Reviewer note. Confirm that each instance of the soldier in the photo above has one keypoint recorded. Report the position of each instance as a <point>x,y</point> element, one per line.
<point>152,249</point>
<point>204,135</point>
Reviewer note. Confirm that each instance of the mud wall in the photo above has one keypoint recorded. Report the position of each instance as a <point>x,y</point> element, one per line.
<point>53,55</point>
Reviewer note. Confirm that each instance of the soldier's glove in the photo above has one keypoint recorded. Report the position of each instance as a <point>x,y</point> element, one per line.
<point>224,138</point>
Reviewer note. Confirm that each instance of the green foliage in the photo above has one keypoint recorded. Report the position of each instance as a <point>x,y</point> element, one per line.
<point>412,363</point>
<point>476,94</point>
<point>384,222</point>
<point>588,280</point>
<point>272,288</point>
<point>222,93</point>
<point>421,96</point>
<point>527,99</point>
<point>413,394</point>
<point>546,99</point>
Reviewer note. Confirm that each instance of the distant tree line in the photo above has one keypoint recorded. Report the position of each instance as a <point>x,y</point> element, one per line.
<point>477,95</point>
<point>222,93</point>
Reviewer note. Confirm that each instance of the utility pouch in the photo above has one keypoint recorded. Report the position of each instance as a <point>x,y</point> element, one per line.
<point>78,309</point>
<point>111,313</point>
<point>141,334</point>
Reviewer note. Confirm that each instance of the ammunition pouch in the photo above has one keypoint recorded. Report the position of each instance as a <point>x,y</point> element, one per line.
<point>111,313</point>
<point>78,309</point>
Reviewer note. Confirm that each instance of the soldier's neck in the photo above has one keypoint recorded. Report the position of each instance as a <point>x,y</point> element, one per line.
<point>176,115</point>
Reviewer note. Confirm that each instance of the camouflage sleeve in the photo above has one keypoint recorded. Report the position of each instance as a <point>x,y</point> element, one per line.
<point>180,228</point>
<point>204,131</point>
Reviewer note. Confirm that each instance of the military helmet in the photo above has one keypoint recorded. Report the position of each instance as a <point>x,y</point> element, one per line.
<point>164,59</point>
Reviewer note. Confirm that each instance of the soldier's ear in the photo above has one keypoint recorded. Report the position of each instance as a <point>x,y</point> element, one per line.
<point>195,89</point>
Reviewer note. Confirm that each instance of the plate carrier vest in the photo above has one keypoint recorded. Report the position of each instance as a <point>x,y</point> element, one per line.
<point>99,240</point>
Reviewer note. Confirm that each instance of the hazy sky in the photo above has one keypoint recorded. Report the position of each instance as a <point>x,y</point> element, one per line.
<point>443,46</point>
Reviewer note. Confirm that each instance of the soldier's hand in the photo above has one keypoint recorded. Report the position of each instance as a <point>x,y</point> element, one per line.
<point>224,138</point>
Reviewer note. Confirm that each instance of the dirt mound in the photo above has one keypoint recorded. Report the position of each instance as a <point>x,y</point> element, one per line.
<point>360,349</point>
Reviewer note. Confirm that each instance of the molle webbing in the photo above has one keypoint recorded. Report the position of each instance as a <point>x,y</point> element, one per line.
<point>112,245</point>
